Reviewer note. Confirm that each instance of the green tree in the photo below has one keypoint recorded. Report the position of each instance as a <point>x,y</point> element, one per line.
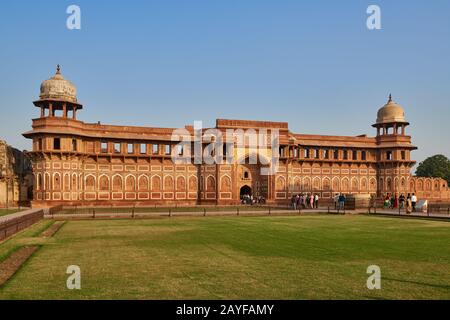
<point>437,166</point>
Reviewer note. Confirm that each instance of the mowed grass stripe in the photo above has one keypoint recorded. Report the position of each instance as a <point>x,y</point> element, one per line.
<point>293,257</point>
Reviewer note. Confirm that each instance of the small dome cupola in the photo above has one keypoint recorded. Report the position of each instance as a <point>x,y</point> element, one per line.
<point>391,119</point>
<point>58,96</point>
<point>391,112</point>
<point>58,88</point>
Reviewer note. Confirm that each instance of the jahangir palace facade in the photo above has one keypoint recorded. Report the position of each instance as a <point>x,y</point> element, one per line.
<point>78,163</point>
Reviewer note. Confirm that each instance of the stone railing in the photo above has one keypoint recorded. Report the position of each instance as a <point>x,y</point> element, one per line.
<point>13,223</point>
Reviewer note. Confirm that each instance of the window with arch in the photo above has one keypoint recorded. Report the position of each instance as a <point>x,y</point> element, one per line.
<point>74,183</point>
<point>168,183</point>
<point>355,184</point>
<point>345,184</point>
<point>225,184</point>
<point>104,183</point>
<point>90,183</point>
<point>117,183</point>
<point>156,183</point>
<point>210,184</point>
<point>280,184</point>
<point>388,184</point>
<point>373,184</point>
<point>336,184</point>
<point>316,183</point>
<point>130,183</point>
<point>326,184</point>
<point>143,183</point>
<point>47,181</point>
<point>363,184</point>
<point>193,184</point>
<point>181,183</point>
<point>66,182</point>
<point>57,182</point>
<point>38,181</point>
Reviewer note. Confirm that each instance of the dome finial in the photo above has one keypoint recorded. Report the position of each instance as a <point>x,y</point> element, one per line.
<point>58,88</point>
<point>390,98</point>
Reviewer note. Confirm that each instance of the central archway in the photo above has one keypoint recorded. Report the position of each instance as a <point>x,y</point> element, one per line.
<point>245,190</point>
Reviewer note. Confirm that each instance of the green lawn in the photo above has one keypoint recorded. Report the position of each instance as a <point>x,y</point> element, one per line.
<point>89,210</point>
<point>293,257</point>
<point>4,212</point>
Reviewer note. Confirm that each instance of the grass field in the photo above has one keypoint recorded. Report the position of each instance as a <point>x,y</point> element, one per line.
<point>4,212</point>
<point>295,257</point>
<point>89,210</point>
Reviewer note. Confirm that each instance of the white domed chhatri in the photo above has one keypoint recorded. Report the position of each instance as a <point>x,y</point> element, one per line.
<point>58,88</point>
<point>391,112</point>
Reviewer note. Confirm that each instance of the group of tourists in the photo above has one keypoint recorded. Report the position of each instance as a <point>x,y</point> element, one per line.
<point>249,199</point>
<point>394,201</point>
<point>305,201</point>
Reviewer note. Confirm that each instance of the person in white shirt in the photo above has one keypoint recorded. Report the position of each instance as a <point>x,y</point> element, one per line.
<point>316,201</point>
<point>413,202</point>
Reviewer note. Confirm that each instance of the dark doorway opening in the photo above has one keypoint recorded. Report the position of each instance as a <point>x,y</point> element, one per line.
<point>246,191</point>
<point>246,195</point>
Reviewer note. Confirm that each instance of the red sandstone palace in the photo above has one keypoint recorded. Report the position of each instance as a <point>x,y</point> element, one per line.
<point>78,163</point>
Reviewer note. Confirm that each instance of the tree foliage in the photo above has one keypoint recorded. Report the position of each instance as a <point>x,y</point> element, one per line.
<point>437,166</point>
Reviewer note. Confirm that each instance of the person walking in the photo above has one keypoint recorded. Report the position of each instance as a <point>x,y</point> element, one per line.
<point>402,201</point>
<point>408,204</point>
<point>311,201</point>
<point>395,202</point>
<point>413,202</point>
<point>391,201</point>
<point>293,203</point>
<point>387,202</point>
<point>341,201</point>
<point>316,201</point>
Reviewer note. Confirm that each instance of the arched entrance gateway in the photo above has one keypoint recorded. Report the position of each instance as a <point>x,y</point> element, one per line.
<point>245,191</point>
<point>251,182</point>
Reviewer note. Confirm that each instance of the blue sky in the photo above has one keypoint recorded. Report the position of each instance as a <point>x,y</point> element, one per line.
<point>168,63</point>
